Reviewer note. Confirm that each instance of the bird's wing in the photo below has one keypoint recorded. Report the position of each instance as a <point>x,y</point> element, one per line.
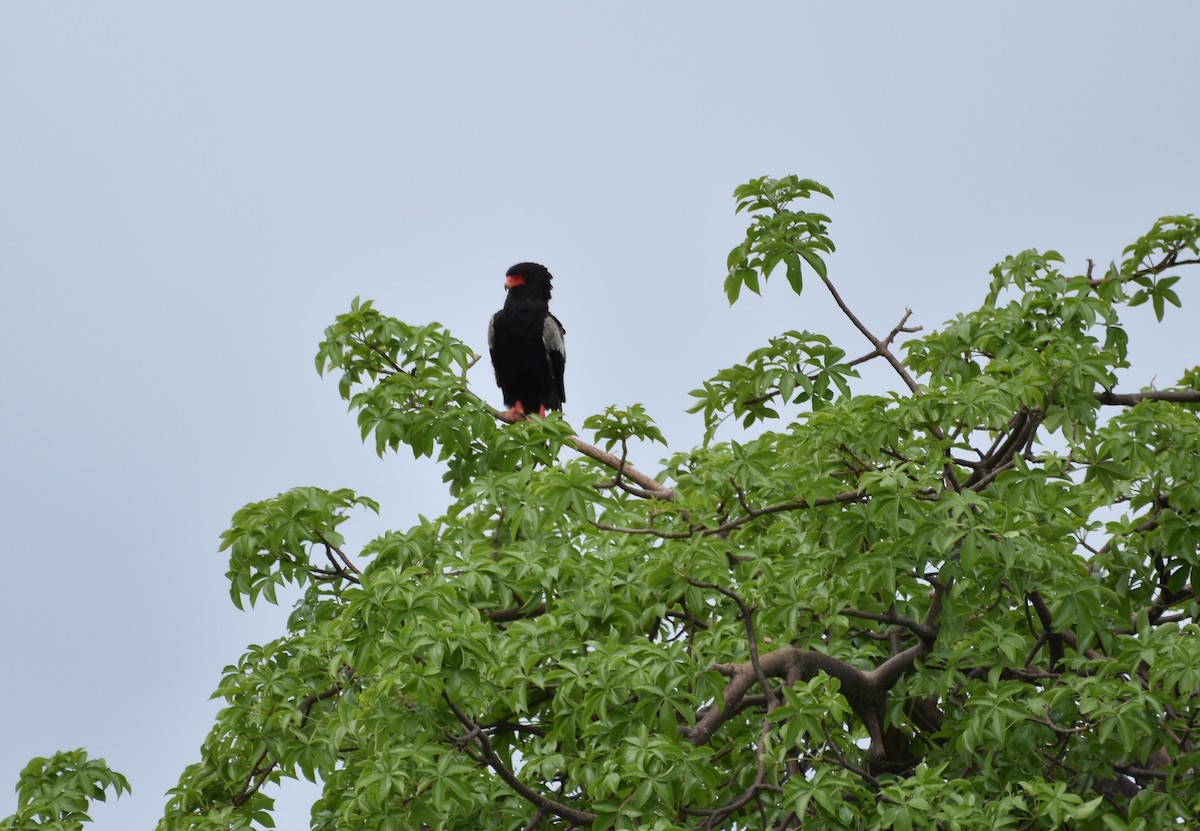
<point>491,345</point>
<point>556,351</point>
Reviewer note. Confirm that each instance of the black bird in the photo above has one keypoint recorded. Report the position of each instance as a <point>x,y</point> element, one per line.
<point>526,343</point>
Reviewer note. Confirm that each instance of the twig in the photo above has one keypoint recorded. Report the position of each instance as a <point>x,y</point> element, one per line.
<point>258,774</point>
<point>492,760</point>
<point>918,628</point>
<point>799,505</point>
<point>896,330</point>
<point>881,347</point>
<point>535,820</point>
<point>509,615</point>
<point>341,554</point>
<point>748,622</point>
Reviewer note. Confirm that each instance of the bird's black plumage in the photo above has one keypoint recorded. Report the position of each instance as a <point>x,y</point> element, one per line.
<point>526,344</point>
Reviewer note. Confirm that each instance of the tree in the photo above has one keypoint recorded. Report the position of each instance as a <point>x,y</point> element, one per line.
<point>966,604</point>
<point>54,793</point>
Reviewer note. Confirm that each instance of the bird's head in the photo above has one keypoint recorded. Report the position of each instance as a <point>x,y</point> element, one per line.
<point>529,277</point>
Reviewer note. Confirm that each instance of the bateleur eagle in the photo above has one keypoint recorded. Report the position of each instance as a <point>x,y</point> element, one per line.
<point>526,344</point>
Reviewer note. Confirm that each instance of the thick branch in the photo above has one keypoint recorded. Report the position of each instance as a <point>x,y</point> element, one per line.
<point>885,676</point>
<point>651,486</point>
<point>1066,635</point>
<point>863,690</point>
<point>1128,399</point>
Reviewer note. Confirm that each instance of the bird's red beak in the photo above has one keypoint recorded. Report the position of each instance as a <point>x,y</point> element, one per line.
<point>511,281</point>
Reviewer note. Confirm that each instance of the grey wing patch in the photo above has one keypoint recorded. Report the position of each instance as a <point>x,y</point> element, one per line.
<point>492,347</point>
<point>552,336</point>
<point>556,354</point>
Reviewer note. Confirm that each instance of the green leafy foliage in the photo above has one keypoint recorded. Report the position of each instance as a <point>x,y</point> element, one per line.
<point>407,384</point>
<point>56,792</point>
<point>271,543</point>
<point>965,604</point>
<point>1167,245</point>
<point>619,425</point>
<point>777,234</point>
<point>794,368</point>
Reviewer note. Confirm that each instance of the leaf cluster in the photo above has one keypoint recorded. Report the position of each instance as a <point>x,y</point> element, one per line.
<point>793,368</point>
<point>777,234</point>
<point>55,792</point>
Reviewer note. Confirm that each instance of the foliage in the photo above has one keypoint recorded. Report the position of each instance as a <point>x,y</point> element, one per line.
<point>777,234</point>
<point>54,793</point>
<point>965,604</point>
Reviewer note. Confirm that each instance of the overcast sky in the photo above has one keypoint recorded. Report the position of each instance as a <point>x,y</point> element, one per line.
<point>190,192</point>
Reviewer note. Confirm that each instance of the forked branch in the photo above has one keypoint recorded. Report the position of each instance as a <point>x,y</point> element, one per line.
<point>882,347</point>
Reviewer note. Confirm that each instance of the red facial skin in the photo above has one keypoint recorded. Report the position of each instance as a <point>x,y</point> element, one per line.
<point>513,280</point>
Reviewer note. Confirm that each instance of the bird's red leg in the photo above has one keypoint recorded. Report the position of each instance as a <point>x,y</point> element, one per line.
<point>516,410</point>
<point>541,410</point>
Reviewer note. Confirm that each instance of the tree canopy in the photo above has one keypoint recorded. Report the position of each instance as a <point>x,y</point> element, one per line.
<point>965,604</point>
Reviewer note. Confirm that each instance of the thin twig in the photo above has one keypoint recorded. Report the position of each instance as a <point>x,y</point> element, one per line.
<point>492,760</point>
<point>880,346</point>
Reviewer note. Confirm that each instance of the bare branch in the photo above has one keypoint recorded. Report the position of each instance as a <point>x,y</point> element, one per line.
<point>896,330</point>
<point>346,563</point>
<point>882,348</point>
<point>651,486</point>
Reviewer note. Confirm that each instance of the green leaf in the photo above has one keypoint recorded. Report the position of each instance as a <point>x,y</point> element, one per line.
<point>813,259</point>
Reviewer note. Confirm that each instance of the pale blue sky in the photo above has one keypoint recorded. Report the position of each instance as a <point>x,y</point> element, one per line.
<point>192,191</point>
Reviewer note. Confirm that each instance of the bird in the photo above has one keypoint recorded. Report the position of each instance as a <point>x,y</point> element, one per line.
<point>527,344</point>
